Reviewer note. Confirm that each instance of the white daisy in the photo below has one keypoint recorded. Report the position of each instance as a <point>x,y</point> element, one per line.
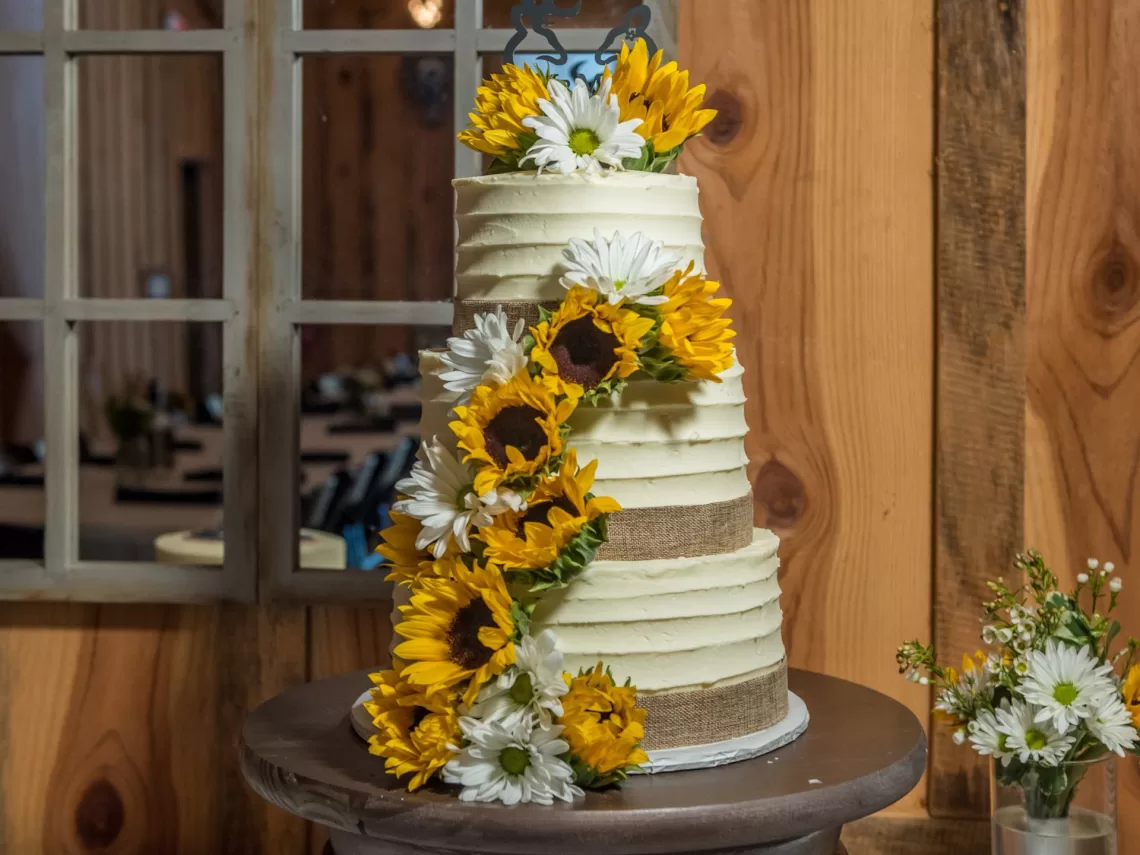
<point>514,766</point>
<point>580,131</point>
<point>1064,681</point>
<point>527,691</point>
<point>439,495</point>
<point>625,267</point>
<point>1111,723</point>
<point>987,738</point>
<point>1033,741</point>
<point>489,352</point>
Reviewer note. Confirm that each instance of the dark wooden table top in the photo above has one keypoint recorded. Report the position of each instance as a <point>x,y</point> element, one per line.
<point>862,751</point>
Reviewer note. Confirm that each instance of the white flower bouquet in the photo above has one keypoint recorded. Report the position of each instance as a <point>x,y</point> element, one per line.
<point>1051,695</point>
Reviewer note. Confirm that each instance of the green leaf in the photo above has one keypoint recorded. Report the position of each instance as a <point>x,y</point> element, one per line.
<point>603,390</point>
<point>544,314</point>
<point>521,616</point>
<point>571,561</point>
<point>641,162</point>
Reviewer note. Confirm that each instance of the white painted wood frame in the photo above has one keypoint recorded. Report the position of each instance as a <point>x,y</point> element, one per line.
<point>62,575</point>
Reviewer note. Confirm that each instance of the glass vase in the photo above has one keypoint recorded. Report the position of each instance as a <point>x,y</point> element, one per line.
<point>1069,814</point>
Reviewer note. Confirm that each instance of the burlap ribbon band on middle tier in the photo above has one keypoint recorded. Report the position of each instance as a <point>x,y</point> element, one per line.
<point>685,531</point>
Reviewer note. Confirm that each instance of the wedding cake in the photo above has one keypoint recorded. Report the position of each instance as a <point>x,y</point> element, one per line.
<point>581,592</point>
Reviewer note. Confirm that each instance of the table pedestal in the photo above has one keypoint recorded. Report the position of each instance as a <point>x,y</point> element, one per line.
<point>820,843</point>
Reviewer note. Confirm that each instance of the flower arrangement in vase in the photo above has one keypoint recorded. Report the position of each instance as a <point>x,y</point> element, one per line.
<point>1051,696</point>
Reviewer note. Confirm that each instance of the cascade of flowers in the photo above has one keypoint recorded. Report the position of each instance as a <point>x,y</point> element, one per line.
<point>1052,694</point>
<point>502,510</point>
<point>637,117</point>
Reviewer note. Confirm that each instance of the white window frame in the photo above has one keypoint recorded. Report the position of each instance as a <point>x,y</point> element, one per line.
<point>62,574</point>
<point>262,44</point>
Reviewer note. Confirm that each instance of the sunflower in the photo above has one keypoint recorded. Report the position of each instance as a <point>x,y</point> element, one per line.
<point>693,328</point>
<point>415,729</point>
<point>1132,694</point>
<point>556,513</point>
<point>458,628</point>
<point>588,342</point>
<point>513,430</point>
<point>399,547</point>
<point>501,104</point>
<point>660,96</point>
<point>603,726</point>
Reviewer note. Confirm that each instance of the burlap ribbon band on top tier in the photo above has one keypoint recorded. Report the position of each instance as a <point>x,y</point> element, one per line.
<point>686,531</point>
<point>681,719</point>
<point>466,310</point>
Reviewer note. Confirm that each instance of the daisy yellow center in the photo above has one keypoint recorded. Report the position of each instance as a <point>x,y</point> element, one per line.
<point>514,760</point>
<point>517,426</point>
<point>1065,694</point>
<point>584,354</point>
<point>1001,741</point>
<point>619,284</point>
<point>464,646</point>
<point>541,513</point>
<point>1035,740</point>
<point>583,142</point>
<point>522,692</point>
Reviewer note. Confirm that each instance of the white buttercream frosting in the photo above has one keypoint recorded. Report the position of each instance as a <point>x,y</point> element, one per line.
<point>657,444</point>
<point>673,624</point>
<point>513,227</point>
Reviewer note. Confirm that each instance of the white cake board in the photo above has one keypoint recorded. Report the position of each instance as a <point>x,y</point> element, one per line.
<point>676,759</point>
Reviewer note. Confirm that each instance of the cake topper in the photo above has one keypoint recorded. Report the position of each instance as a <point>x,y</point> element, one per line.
<point>539,14</point>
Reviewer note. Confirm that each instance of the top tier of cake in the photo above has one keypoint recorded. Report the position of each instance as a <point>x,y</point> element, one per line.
<point>514,227</point>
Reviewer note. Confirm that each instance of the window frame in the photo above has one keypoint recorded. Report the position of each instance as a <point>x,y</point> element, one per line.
<point>263,45</point>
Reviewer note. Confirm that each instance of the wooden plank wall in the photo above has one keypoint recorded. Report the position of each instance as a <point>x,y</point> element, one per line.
<point>815,188</point>
<point>1083,290</point>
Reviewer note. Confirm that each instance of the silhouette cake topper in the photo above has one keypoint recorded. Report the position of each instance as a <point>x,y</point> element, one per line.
<point>538,16</point>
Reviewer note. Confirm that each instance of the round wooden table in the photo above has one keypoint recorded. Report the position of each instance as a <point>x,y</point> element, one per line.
<point>862,751</point>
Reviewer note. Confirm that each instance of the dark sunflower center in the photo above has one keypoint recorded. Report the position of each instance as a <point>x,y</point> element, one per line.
<point>541,513</point>
<point>515,426</point>
<point>466,650</point>
<point>583,353</point>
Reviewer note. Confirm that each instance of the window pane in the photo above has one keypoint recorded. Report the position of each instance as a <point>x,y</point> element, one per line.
<point>21,432</point>
<point>378,14</point>
<point>378,158</point>
<point>594,13</point>
<point>151,14</point>
<point>151,443</point>
<point>21,177</point>
<point>21,17</point>
<point>360,416</point>
<point>150,176</point>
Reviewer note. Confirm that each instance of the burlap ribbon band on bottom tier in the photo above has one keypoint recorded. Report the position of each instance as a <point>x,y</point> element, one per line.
<point>466,310</point>
<point>681,719</point>
<point>640,534</point>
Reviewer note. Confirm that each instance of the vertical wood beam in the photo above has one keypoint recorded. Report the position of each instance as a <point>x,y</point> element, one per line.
<point>980,382</point>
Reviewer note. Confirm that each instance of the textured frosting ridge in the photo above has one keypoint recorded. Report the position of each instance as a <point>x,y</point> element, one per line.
<point>674,624</point>
<point>513,227</point>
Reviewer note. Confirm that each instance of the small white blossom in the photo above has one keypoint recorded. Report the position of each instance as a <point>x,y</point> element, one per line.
<point>1116,584</point>
<point>516,766</point>
<point>1093,563</point>
<point>489,351</point>
<point>1109,567</point>
<point>1065,683</point>
<point>1082,578</point>
<point>959,736</point>
<point>989,634</point>
<point>1031,740</point>
<point>924,681</point>
<point>1005,635</point>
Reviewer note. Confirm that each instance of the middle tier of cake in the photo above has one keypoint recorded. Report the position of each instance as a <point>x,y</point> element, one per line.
<point>671,454</point>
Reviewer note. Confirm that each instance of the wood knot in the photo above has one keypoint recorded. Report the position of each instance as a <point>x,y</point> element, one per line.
<point>780,495</point>
<point>729,117</point>
<point>99,815</point>
<point>1113,286</point>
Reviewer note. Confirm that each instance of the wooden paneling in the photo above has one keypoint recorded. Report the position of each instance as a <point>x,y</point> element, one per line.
<point>121,727</point>
<point>1083,290</point>
<point>816,194</point>
<point>980,383</point>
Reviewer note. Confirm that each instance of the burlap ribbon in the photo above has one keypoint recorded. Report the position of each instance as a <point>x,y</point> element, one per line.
<point>466,310</point>
<point>685,531</point>
<point>680,719</point>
